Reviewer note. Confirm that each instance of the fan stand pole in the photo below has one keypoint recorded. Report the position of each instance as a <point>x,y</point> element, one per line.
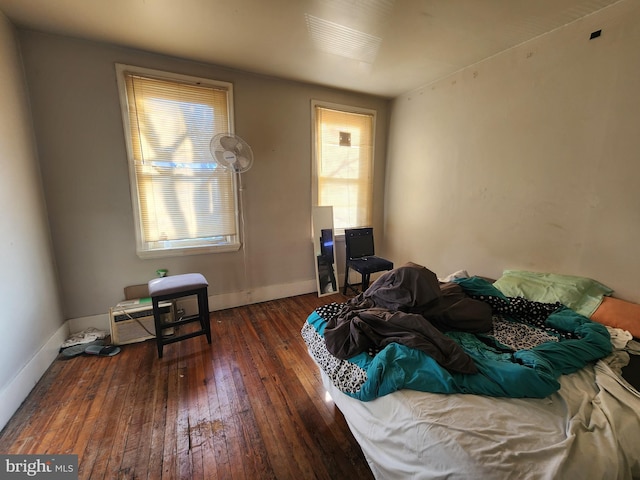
<point>243,239</point>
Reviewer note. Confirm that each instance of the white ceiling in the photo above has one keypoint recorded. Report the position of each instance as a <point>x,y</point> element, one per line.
<point>382,47</point>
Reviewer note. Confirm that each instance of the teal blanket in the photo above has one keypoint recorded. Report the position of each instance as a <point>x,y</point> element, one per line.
<point>503,372</point>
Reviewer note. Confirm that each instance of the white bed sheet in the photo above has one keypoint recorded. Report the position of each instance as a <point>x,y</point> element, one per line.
<point>589,429</point>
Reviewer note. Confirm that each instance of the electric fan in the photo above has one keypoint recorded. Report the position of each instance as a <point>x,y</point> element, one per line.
<point>231,152</point>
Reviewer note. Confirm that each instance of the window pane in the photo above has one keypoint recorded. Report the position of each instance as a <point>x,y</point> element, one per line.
<point>344,162</point>
<point>183,202</point>
<point>184,199</point>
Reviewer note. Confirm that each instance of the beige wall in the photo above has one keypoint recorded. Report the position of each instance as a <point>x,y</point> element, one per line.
<point>31,319</point>
<point>528,160</point>
<point>78,127</point>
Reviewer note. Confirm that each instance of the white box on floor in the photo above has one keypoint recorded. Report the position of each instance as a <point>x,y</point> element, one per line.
<point>131,321</point>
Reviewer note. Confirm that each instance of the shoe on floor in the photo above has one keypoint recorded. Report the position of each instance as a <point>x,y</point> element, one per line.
<point>102,351</point>
<point>79,349</point>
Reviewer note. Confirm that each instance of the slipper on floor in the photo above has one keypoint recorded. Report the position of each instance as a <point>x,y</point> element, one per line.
<point>75,350</point>
<point>102,351</point>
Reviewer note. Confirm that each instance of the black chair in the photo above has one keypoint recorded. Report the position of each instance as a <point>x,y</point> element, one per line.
<point>178,286</point>
<point>361,257</point>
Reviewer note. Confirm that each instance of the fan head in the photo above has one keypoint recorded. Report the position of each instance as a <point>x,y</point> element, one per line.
<point>231,152</point>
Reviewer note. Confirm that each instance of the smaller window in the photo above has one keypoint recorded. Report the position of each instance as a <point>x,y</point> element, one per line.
<point>183,201</point>
<point>343,163</point>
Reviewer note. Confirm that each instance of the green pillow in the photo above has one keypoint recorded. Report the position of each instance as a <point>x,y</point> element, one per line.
<point>580,294</point>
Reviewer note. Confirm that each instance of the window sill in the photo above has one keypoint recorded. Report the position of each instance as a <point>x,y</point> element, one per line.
<point>184,251</point>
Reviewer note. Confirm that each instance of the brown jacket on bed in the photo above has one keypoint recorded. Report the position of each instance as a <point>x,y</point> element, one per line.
<point>408,305</point>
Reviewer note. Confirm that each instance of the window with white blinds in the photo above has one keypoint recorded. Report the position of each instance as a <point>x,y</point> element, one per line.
<point>344,144</point>
<point>183,201</point>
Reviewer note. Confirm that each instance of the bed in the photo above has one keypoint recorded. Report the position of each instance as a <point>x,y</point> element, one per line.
<point>542,397</point>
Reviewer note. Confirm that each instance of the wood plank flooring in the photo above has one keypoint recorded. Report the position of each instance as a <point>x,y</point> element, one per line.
<point>249,406</point>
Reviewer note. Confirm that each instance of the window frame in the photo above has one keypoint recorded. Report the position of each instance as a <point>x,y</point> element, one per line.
<point>339,231</point>
<point>193,246</point>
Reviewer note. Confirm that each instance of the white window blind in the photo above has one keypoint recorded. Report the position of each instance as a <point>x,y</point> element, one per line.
<point>184,202</point>
<point>344,165</point>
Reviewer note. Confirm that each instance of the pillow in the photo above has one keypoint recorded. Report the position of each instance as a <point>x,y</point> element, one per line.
<point>580,294</point>
<point>617,313</point>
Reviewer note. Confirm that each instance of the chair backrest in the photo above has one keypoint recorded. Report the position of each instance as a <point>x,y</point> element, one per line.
<point>359,242</point>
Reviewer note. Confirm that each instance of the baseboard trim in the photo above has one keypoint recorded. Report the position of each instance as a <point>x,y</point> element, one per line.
<point>17,390</point>
<point>216,302</point>
<point>262,294</point>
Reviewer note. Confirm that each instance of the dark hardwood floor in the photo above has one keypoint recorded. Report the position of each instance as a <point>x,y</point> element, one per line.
<point>249,406</point>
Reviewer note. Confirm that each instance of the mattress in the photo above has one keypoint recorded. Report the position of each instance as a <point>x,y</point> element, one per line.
<point>588,429</point>
<point>413,418</point>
